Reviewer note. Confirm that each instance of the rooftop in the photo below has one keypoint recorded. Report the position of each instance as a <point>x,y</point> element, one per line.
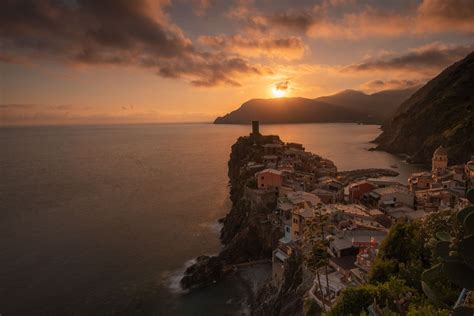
<point>440,151</point>
<point>360,182</point>
<point>305,212</point>
<point>391,190</point>
<point>345,262</point>
<point>301,196</point>
<point>273,171</point>
<point>352,209</point>
<point>272,145</point>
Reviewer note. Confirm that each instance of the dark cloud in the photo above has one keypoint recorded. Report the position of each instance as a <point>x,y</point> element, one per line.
<point>283,85</point>
<point>451,14</point>
<point>377,85</point>
<point>344,19</point>
<point>201,6</point>
<point>135,33</point>
<point>287,48</point>
<point>427,59</point>
<point>295,21</point>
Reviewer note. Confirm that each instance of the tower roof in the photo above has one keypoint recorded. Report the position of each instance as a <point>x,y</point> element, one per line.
<point>440,151</point>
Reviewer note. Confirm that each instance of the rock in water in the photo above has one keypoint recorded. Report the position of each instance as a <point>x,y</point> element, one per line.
<point>205,271</point>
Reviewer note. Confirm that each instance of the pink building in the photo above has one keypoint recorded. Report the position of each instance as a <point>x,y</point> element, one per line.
<point>269,178</point>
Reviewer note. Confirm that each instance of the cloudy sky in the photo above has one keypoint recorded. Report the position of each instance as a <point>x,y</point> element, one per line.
<point>115,61</point>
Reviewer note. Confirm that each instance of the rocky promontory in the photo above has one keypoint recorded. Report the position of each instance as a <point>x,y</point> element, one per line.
<point>246,234</point>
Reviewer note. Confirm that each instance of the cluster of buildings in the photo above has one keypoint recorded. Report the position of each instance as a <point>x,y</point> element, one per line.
<point>311,203</point>
<point>445,186</point>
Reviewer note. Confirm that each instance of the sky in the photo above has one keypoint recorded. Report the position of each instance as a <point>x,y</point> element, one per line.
<point>144,61</point>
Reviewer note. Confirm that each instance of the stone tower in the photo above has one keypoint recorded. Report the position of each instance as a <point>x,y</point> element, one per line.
<point>255,128</point>
<point>439,162</point>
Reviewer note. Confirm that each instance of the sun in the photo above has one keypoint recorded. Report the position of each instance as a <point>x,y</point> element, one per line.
<point>278,93</point>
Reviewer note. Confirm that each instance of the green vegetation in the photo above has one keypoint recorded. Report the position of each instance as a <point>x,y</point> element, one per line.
<point>421,269</point>
<point>455,252</point>
<point>311,308</point>
<point>392,297</point>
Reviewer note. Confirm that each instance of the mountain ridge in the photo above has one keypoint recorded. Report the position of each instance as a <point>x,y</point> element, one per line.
<point>344,106</point>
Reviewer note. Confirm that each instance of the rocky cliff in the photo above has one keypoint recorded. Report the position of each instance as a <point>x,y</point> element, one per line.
<point>288,299</point>
<point>439,113</point>
<point>247,235</point>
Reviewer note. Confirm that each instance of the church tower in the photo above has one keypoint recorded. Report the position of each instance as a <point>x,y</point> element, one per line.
<point>439,162</point>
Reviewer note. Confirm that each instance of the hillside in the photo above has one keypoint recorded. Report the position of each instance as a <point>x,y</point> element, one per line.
<point>441,112</point>
<point>290,110</point>
<point>381,105</point>
<point>346,106</point>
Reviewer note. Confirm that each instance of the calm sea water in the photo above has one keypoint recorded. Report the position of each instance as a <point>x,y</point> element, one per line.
<point>102,219</point>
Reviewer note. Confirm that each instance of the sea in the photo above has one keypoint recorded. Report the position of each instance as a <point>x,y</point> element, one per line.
<point>103,220</point>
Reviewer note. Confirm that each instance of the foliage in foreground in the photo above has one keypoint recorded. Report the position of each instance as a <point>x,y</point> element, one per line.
<point>395,280</point>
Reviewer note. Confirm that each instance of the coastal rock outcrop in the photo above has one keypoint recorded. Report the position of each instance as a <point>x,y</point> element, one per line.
<point>205,271</point>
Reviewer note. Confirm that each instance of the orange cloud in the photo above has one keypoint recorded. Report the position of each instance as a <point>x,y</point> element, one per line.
<point>285,48</point>
<point>425,61</point>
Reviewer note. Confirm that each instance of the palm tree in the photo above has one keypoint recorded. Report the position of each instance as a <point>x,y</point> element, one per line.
<point>315,235</point>
<point>313,262</point>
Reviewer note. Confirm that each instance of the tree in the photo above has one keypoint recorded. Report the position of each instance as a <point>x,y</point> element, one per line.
<point>315,238</point>
<point>392,297</point>
<point>316,259</point>
<point>400,255</point>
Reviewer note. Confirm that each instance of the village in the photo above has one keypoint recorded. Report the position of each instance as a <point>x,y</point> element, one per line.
<point>313,205</point>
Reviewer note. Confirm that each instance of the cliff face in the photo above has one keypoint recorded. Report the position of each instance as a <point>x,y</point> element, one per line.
<point>288,299</point>
<point>440,113</point>
<point>247,234</point>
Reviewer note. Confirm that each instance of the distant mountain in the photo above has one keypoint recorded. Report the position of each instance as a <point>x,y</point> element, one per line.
<point>290,110</point>
<point>346,106</point>
<point>380,105</point>
<point>439,113</point>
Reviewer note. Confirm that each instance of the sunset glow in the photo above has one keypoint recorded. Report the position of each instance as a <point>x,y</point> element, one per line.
<point>182,61</point>
<point>277,93</point>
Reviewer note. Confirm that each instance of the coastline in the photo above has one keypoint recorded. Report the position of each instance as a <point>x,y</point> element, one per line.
<point>246,234</point>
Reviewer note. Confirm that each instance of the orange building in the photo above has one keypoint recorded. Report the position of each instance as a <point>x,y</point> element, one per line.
<point>269,178</point>
<point>358,189</point>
